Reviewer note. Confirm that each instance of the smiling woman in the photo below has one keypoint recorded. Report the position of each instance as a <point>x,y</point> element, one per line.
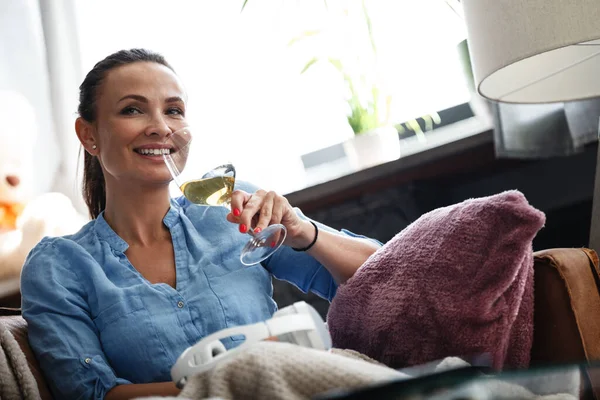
<point>115,304</point>
<point>141,103</point>
<point>121,110</point>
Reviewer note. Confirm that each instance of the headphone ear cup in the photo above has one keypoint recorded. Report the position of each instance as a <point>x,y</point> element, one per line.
<point>317,338</point>
<point>289,310</point>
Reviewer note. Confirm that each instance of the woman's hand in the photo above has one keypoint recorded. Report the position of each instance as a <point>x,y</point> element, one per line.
<point>342,255</point>
<point>258,210</point>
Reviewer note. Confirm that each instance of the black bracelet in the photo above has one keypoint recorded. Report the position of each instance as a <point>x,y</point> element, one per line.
<point>314,240</point>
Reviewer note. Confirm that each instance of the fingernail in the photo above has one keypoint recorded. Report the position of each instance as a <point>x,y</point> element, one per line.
<point>257,230</point>
<point>273,243</point>
<point>236,212</point>
<point>243,228</point>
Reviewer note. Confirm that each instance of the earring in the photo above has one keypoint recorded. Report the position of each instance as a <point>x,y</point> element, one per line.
<point>94,147</point>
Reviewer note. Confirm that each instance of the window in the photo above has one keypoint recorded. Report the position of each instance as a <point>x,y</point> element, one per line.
<point>248,100</point>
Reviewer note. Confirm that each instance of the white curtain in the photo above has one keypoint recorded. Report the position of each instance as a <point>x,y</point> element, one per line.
<point>64,70</point>
<point>39,60</point>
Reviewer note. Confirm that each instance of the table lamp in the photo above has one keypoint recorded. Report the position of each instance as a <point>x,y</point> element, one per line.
<point>537,51</point>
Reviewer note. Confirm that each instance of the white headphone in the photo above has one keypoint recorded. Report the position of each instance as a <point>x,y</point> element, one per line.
<point>299,324</point>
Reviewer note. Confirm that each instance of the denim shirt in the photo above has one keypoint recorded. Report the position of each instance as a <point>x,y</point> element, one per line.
<point>96,322</point>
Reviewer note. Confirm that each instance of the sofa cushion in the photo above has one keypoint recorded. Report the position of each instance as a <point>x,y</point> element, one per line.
<point>456,282</point>
<point>567,310</point>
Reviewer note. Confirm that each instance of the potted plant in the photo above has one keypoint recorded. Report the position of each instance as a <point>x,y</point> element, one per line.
<point>369,104</point>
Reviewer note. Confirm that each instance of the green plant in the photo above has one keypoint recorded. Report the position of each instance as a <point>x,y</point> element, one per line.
<point>369,107</point>
<point>368,104</point>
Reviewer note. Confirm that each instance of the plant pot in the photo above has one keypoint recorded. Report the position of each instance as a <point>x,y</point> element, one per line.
<point>371,148</point>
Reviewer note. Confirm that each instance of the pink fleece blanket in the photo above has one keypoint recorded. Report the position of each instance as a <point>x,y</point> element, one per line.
<point>456,282</point>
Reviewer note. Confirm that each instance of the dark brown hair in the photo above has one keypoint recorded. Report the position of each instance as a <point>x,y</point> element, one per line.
<point>94,191</point>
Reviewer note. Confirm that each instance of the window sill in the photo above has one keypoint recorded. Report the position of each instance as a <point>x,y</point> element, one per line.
<point>337,176</point>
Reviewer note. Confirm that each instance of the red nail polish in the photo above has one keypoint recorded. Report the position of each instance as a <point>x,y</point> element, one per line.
<point>273,243</point>
<point>257,230</point>
<point>243,228</point>
<point>236,212</point>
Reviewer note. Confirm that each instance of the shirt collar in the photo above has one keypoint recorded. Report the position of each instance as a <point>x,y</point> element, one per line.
<point>172,216</point>
<point>106,233</point>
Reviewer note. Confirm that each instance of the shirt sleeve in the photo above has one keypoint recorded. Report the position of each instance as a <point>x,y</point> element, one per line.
<point>299,268</point>
<point>304,271</point>
<point>61,331</point>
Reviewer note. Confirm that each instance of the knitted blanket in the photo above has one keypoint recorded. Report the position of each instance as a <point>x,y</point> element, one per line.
<point>278,370</point>
<point>16,380</point>
<point>283,371</point>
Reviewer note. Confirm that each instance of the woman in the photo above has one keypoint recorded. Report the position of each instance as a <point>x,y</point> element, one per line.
<point>111,307</point>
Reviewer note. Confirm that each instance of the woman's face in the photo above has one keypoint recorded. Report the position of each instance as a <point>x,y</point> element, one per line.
<point>137,105</point>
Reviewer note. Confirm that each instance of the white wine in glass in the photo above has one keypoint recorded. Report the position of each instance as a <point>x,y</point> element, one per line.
<point>215,189</point>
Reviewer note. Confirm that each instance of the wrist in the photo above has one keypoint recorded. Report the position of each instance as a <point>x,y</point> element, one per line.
<point>307,238</point>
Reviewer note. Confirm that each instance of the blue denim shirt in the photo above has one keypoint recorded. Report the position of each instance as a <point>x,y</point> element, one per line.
<point>96,322</point>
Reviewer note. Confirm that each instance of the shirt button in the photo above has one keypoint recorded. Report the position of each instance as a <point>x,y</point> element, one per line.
<point>88,360</point>
<point>180,304</point>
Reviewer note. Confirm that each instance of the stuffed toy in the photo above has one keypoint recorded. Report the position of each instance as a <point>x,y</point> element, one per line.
<point>25,218</point>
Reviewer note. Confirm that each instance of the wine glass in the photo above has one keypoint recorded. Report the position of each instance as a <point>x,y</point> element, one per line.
<point>215,189</point>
